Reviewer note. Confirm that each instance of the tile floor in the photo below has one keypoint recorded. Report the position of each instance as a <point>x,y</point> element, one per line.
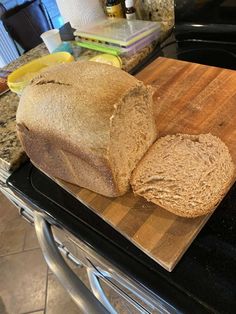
<point>26,284</point>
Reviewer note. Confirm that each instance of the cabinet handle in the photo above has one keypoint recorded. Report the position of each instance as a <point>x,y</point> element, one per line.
<point>80,294</point>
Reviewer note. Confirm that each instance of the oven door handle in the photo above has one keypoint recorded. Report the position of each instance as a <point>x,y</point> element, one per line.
<point>97,289</point>
<point>80,294</point>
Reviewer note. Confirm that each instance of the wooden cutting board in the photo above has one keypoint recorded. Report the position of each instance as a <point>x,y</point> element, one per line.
<point>189,98</point>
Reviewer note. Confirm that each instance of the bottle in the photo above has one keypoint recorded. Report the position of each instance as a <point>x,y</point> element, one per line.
<point>130,11</point>
<point>114,8</point>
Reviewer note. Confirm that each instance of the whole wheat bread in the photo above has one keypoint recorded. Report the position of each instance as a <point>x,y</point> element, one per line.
<point>185,174</point>
<point>87,123</point>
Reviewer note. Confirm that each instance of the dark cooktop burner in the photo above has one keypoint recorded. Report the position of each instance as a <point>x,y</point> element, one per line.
<point>218,54</point>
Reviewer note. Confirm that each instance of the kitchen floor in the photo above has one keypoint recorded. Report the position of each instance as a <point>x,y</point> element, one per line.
<point>26,284</point>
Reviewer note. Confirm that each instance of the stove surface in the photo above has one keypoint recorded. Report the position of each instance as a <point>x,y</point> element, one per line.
<point>205,277</point>
<point>218,54</point>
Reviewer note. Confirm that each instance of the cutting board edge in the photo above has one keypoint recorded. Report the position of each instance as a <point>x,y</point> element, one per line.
<point>167,266</point>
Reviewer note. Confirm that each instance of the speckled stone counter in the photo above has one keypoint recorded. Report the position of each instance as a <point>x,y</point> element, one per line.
<point>11,153</point>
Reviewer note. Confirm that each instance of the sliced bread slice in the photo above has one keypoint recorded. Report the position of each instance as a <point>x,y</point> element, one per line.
<point>185,174</point>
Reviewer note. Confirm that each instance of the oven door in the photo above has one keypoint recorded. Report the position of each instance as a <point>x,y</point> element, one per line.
<point>104,289</point>
<point>87,301</point>
<point>116,291</point>
<point>55,220</point>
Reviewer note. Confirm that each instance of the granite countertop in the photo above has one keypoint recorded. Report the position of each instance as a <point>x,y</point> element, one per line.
<point>11,152</point>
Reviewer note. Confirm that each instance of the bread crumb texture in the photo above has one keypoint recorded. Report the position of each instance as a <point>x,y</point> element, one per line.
<point>185,174</point>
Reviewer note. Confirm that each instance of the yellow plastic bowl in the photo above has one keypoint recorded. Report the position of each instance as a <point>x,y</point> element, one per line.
<point>21,77</point>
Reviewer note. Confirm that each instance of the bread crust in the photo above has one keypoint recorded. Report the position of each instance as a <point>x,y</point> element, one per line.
<point>64,122</point>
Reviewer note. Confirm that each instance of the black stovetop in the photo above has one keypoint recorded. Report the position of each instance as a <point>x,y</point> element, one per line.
<point>204,281</point>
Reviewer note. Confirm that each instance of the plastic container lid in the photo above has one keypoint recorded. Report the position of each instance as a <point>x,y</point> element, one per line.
<point>121,32</point>
<point>114,50</point>
<point>139,45</point>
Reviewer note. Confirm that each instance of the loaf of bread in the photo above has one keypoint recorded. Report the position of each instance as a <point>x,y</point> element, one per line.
<point>88,124</point>
<point>185,174</point>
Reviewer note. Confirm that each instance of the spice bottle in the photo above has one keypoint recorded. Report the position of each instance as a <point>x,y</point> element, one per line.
<point>114,8</point>
<point>130,11</point>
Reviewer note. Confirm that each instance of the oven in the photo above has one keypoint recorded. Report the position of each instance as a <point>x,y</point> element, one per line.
<point>101,286</point>
<point>115,276</point>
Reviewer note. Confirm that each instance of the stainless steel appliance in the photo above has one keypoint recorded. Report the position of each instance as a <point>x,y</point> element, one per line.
<point>110,290</point>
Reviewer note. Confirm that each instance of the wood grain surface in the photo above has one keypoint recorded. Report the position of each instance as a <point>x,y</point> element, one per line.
<point>189,98</point>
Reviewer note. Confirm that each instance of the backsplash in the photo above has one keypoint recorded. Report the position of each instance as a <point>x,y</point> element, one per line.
<point>155,10</point>
<point>159,10</point>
